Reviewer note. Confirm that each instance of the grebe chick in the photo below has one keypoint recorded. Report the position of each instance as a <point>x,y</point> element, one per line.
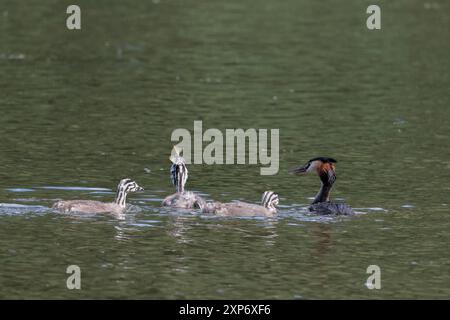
<point>89,206</point>
<point>266,209</point>
<point>325,169</point>
<point>178,175</point>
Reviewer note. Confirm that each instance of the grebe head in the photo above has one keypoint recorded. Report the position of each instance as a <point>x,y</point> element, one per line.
<point>178,170</point>
<point>318,165</point>
<point>323,166</point>
<point>126,186</point>
<point>270,200</point>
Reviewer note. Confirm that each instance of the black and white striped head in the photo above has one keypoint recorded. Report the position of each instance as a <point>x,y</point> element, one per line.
<point>126,186</point>
<point>270,200</point>
<point>178,170</point>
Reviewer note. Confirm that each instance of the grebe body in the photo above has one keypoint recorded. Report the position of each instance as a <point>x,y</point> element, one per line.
<point>92,207</point>
<point>331,208</point>
<point>267,208</point>
<point>185,199</point>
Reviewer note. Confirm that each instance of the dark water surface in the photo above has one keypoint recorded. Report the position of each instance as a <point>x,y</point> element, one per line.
<point>82,109</point>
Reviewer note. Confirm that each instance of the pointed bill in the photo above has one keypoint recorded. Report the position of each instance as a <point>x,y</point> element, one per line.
<point>300,170</point>
<point>175,155</point>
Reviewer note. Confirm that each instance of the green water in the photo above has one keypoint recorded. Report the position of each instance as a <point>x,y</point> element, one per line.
<point>86,108</point>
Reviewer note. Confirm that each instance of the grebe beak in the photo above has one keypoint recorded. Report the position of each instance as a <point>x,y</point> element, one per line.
<point>300,170</point>
<point>140,189</point>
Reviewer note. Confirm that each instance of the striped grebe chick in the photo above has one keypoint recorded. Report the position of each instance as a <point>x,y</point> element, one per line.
<point>267,208</point>
<point>89,206</point>
<point>325,169</point>
<point>179,175</point>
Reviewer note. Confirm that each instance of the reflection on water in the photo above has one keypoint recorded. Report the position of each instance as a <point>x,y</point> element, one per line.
<point>323,238</point>
<point>81,110</point>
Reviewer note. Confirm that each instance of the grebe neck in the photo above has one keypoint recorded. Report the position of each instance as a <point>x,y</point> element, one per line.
<point>121,198</point>
<point>324,193</point>
<point>327,179</point>
<point>179,175</point>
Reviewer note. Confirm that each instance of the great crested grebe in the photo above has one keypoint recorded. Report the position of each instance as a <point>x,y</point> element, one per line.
<point>324,167</point>
<point>88,206</point>
<point>267,208</point>
<point>179,175</point>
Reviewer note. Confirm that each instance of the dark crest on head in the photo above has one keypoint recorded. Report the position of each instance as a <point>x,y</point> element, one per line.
<point>324,160</point>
